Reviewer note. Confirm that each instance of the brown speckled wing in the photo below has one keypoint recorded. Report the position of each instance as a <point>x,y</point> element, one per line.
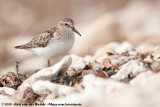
<point>40,40</point>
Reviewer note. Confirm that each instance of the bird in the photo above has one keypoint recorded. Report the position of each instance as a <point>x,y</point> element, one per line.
<point>53,42</point>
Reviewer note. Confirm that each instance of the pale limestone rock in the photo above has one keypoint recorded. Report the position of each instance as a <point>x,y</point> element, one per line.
<point>101,92</point>
<point>71,72</point>
<point>6,90</point>
<point>107,48</point>
<point>46,87</point>
<point>148,59</point>
<point>77,62</point>
<point>124,47</point>
<point>95,91</point>
<point>52,72</point>
<point>156,55</point>
<point>133,53</point>
<point>109,85</point>
<point>144,50</point>
<point>155,66</point>
<point>5,99</point>
<point>87,59</point>
<point>46,74</point>
<point>147,80</point>
<point>129,70</point>
<point>106,63</point>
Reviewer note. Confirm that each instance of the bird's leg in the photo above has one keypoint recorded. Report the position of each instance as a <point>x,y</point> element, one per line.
<point>48,63</point>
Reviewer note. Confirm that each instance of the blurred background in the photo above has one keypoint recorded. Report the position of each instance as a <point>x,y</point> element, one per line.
<point>99,22</point>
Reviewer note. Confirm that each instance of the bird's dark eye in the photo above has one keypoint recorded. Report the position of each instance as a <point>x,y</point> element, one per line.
<point>66,24</point>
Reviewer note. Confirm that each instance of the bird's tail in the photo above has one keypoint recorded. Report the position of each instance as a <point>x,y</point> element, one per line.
<point>19,47</point>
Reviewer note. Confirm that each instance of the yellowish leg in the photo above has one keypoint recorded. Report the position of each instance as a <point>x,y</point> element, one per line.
<point>48,63</point>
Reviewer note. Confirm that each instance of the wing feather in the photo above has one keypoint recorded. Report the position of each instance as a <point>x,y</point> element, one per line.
<point>40,40</point>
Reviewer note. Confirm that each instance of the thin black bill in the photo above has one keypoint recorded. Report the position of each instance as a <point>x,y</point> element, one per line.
<point>76,31</point>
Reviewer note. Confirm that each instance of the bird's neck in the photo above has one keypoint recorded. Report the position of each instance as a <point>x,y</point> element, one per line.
<point>65,34</point>
<point>65,31</point>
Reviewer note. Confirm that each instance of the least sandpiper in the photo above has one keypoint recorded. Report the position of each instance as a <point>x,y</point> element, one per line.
<point>54,42</point>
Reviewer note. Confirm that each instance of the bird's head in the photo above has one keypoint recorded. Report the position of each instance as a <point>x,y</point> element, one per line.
<point>68,24</point>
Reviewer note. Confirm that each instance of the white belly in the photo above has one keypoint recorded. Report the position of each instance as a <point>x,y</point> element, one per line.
<point>54,49</point>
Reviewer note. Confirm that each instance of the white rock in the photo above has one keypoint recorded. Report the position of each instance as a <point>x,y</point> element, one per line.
<point>125,46</point>
<point>100,59</point>
<point>155,66</point>
<point>133,53</point>
<point>156,48</point>
<point>71,72</point>
<point>148,60</point>
<point>95,91</point>
<point>46,87</point>
<point>102,51</point>
<point>45,74</point>
<point>147,79</point>
<point>156,55</point>
<point>109,85</point>
<point>6,90</point>
<point>101,92</point>
<point>87,58</point>
<point>52,72</point>
<point>144,50</point>
<point>6,99</point>
<point>77,62</point>
<point>131,68</point>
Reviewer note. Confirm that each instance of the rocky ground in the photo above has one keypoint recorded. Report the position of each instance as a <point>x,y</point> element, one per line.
<point>118,74</point>
<point>115,63</point>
